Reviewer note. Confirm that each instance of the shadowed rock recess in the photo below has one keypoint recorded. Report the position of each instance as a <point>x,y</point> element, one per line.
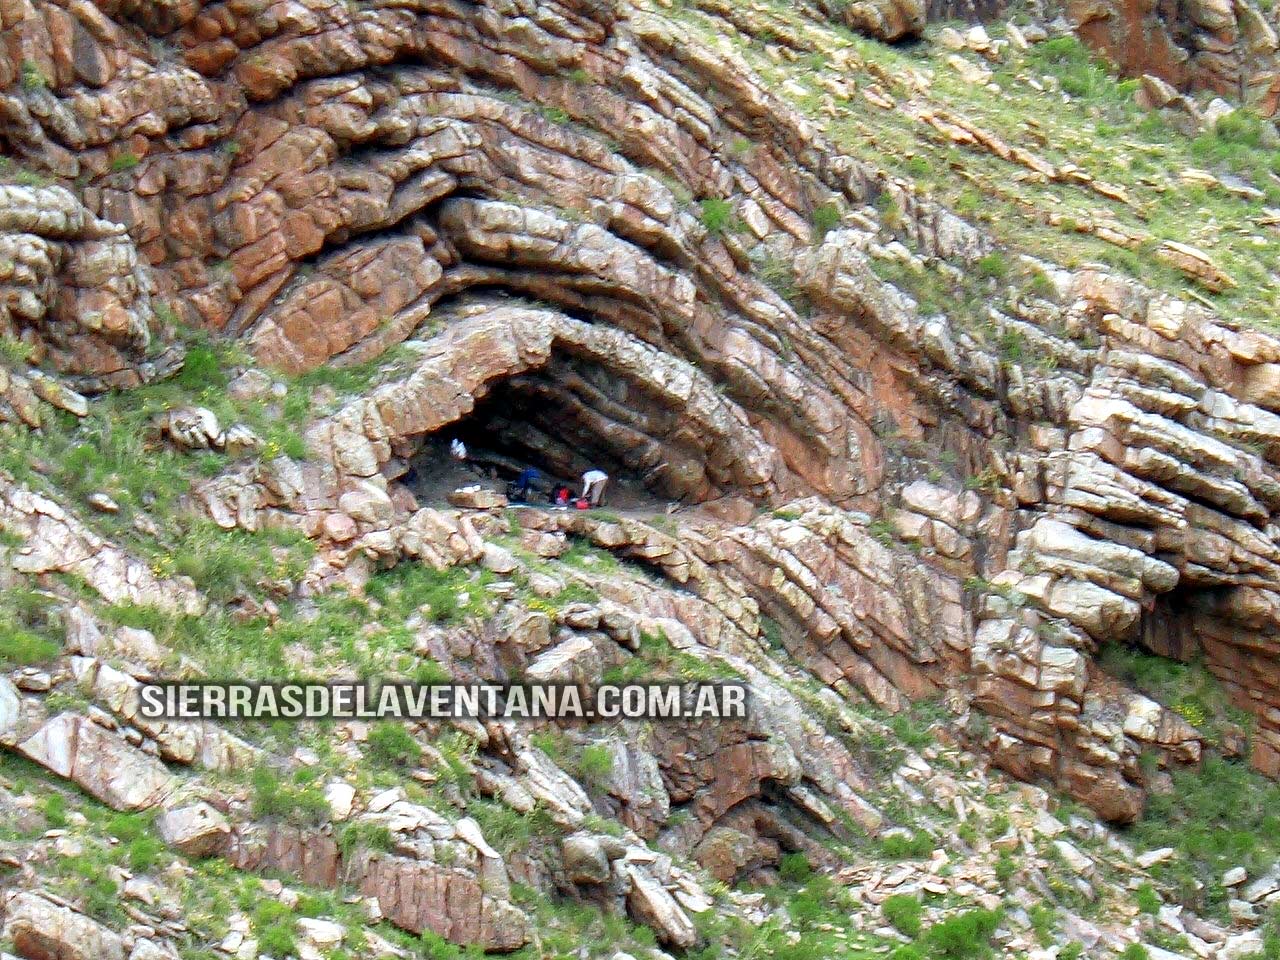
<point>260,261</point>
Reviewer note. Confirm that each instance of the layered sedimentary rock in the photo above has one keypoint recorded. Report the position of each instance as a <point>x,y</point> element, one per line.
<point>72,287</point>
<point>330,180</point>
<point>1229,48</point>
<point>585,234</point>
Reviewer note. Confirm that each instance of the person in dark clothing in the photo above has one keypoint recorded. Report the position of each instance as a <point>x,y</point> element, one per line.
<point>527,481</point>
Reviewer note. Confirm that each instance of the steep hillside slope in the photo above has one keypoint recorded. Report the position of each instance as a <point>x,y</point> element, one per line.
<point>934,386</point>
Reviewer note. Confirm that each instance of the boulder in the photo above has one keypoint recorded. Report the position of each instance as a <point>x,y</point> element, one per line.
<point>240,440</point>
<point>339,527</point>
<point>476,498</point>
<point>546,545</point>
<point>195,428</point>
<point>584,858</point>
<point>724,851</point>
<point>887,20</point>
<point>43,930</point>
<point>419,895</point>
<point>367,502</point>
<point>250,385</point>
<point>498,559</point>
<point>1154,93</point>
<point>100,761</point>
<point>340,796</point>
<point>649,903</point>
<point>573,661</point>
<point>196,831</point>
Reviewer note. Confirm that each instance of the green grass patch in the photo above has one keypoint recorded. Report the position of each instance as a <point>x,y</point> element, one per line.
<point>915,845</point>
<point>903,911</point>
<point>826,218</point>
<point>1220,816</point>
<point>718,217</point>
<point>294,801</point>
<point>965,936</point>
<point>27,636</point>
<point>391,745</point>
<point>1188,689</point>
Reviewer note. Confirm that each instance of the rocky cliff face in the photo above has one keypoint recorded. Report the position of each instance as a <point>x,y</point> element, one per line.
<point>887,434</point>
<point>1229,48</point>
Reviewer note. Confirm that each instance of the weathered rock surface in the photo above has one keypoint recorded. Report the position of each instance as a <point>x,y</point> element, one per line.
<point>99,761</point>
<point>43,930</point>
<point>1229,48</point>
<point>197,831</point>
<point>415,893</point>
<point>56,540</point>
<point>600,241</point>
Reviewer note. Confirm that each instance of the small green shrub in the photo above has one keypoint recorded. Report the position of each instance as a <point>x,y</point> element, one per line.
<point>391,745</point>
<point>917,846</point>
<point>124,161</point>
<point>794,868</point>
<point>1242,127</point>
<point>903,912</point>
<point>1147,899</point>
<point>100,892</point>
<point>1006,867</point>
<point>918,166</point>
<point>1044,920</point>
<point>33,77</point>
<point>138,847</point>
<point>1134,951</point>
<point>963,936</point>
<point>428,672</point>
<point>771,631</point>
<point>509,829</point>
<point>435,947</point>
<point>127,826</point>
<point>29,178</point>
<point>1078,71</point>
<point>595,763</point>
<point>202,369</point>
<point>445,596</point>
<point>54,808</point>
<point>825,219</point>
<point>143,853</point>
<point>277,799</point>
<point>368,836</point>
<point>17,352</point>
<point>810,907</point>
<point>316,905</point>
<point>21,648</point>
<point>277,940</point>
<point>993,265</point>
<point>717,216</point>
<point>913,726</point>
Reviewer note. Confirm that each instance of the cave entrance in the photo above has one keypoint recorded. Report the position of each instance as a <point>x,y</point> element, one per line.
<point>564,419</point>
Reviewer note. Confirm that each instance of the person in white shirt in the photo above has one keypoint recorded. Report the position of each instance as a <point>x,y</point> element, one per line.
<point>593,482</point>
